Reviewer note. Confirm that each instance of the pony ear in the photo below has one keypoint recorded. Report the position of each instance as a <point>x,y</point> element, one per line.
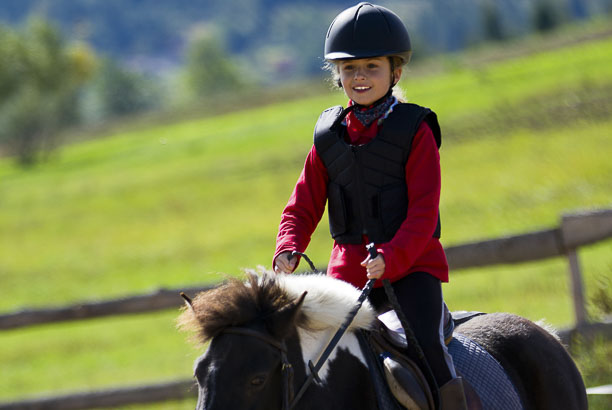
<point>283,320</point>
<point>188,301</point>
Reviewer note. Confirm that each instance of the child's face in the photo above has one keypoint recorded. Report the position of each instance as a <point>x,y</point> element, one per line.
<point>368,79</point>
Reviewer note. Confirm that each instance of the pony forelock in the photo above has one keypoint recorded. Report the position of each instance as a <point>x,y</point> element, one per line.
<point>236,303</point>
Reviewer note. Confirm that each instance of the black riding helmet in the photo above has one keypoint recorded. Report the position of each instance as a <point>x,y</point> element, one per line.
<point>367,30</point>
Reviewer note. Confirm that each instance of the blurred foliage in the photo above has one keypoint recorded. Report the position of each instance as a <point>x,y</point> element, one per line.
<point>601,299</point>
<point>39,80</point>
<point>545,15</point>
<point>172,56</point>
<point>288,32</point>
<point>593,359</point>
<point>491,22</point>
<point>208,68</point>
<point>114,91</point>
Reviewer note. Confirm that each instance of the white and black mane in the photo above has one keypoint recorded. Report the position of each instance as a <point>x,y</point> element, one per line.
<point>238,303</point>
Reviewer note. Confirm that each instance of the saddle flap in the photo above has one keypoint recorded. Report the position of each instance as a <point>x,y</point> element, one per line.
<point>406,384</point>
<point>404,378</point>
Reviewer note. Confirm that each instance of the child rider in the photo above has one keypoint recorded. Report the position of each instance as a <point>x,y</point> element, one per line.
<point>376,164</point>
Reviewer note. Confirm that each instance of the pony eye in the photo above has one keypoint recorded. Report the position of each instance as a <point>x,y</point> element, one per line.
<point>257,381</point>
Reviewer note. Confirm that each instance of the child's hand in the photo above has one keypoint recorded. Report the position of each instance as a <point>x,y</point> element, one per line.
<point>375,267</point>
<point>285,263</point>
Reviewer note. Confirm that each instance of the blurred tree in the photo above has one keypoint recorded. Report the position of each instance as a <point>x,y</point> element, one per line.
<point>39,80</point>
<point>272,30</point>
<point>305,25</point>
<point>209,69</point>
<point>116,91</point>
<point>492,24</point>
<point>546,16</point>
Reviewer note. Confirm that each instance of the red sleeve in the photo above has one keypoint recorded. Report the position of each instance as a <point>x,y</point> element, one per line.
<point>305,207</point>
<point>423,182</point>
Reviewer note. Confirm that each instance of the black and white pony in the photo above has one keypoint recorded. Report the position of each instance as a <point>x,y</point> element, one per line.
<point>264,331</point>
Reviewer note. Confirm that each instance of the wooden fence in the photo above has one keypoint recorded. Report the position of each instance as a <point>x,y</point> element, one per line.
<point>112,398</point>
<point>575,230</point>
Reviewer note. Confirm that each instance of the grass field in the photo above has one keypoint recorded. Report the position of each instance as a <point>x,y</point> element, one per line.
<point>526,140</point>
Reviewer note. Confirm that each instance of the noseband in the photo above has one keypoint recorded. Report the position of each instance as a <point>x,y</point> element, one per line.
<point>286,367</point>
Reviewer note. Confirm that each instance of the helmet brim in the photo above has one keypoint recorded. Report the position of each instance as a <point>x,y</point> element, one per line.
<point>335,56</point>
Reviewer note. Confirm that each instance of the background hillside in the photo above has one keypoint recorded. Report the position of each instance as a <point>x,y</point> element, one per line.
<point>82,64</point>
<point>526,138</point>
<point>283,36</point>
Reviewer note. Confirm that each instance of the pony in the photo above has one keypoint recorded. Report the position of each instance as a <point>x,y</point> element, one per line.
<point>265,332</point>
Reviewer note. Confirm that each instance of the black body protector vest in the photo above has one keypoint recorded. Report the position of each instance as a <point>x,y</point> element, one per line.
<point>367,192</point>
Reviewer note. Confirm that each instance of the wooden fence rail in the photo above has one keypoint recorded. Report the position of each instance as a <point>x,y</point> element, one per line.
<point>575,230</point>
<point>159,300</point>
<point>110,398</point>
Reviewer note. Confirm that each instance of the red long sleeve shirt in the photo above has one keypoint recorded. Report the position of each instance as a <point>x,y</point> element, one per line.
<point>412,249</point>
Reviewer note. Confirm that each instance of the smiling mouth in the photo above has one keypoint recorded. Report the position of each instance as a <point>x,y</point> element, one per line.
<point>361,88</point>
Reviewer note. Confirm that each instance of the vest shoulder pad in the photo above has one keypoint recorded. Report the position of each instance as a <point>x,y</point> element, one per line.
<point>324,136</point>
<point>404,112</point>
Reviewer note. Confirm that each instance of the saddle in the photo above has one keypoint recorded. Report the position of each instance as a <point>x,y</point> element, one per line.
<point>404,378</point>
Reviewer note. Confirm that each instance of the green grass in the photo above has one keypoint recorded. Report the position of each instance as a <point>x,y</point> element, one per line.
<point>159,207</point>
<point>526,140</point>
<point>594,360</point>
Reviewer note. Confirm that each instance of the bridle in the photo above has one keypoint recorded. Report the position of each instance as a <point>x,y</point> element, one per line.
<point>286,367</point>
<point>289,400</point>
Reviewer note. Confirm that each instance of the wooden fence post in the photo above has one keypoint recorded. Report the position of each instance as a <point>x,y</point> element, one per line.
<point>579,229</point>
<point>577,289</point>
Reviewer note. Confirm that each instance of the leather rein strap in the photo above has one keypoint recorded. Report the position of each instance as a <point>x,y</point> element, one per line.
<point>286,367</point>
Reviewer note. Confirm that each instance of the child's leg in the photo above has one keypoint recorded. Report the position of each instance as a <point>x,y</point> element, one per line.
<point>420,297</point>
